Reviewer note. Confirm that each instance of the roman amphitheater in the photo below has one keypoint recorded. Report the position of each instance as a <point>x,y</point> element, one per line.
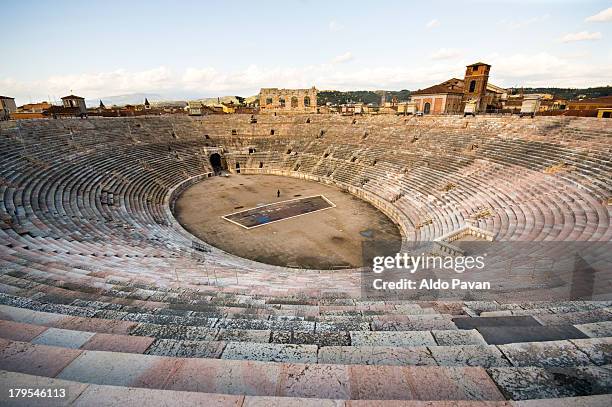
<point>137,267</point>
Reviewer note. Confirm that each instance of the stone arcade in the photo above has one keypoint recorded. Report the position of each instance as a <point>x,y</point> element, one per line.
<point>273,100</point>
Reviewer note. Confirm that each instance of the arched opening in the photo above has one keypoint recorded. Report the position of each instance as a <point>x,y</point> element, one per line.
<point>306,101</point>
<point>268,101</point>
<point>294,102</point>
<point>281,101</point>
<point>472,86</point>
<point>427,108</point>
<point>217,163</point>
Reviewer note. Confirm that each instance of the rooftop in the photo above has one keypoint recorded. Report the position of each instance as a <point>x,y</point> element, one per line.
<point>599,100</point>
<point>453,85</point>
<point>478,64</point>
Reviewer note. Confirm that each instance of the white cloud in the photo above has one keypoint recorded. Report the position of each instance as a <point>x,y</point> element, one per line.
<point>445,53</point>
<point>518,24</point>
<point>115,82</point>
<point>433,23</point>
<point>540,69</point>
<point>602,16</point>
<point>544,69</point>
<point>335,26</point>
<point>581,36</point>
<point>347,56</point>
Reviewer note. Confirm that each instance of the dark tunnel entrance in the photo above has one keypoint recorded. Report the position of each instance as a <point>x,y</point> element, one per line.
<point>217,163</point>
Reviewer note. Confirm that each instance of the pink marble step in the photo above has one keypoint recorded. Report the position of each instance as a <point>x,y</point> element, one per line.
<point>250,378</point>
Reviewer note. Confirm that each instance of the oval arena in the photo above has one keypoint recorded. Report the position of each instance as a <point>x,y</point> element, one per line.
<point>120,274</point>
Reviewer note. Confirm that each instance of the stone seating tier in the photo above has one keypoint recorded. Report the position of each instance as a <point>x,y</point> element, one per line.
<point>93,293</point>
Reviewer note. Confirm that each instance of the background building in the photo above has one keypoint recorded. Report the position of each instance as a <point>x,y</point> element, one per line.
<point>273,100</point>
<point>444,98</point>
<point>7,106</point>
<point>72,101</point>
<point>590,104</point>
<point>451,96</point>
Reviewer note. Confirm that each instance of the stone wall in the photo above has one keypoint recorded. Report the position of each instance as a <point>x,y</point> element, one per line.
<point>273,100</point>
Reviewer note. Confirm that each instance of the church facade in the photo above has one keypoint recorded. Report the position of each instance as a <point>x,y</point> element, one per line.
<point>451,96</point>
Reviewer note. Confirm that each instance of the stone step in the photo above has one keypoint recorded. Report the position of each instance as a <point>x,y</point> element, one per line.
<point>238,377</point>
<point>93,395</point>
<point>212,306</point>
<point>582,352</point>
<point>523,383</point>
<point>386,322</point>
<point>499,335</point>
<point>304,380</point>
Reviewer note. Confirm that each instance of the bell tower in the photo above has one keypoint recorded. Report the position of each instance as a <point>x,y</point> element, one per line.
<point>475,88</point>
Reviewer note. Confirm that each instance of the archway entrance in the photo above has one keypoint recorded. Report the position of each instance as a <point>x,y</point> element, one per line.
<point>427,108</point>
<point>217,163</point>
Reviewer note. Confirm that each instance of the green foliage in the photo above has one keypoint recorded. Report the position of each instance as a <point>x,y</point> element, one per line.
<point>365,96</point>
<point>572,93</point>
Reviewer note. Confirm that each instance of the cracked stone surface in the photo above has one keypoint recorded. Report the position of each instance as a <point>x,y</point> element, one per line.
<point>392,338</point>
<point>312,338</point>
<point>342,326</point>
<point>237,335</point>
<point>376,355</point>
<point>174,332</point>
<point>186,349</point>
<point>469,355</point>
<point>458,337</point>
<point>522,383</point>
<point>599,350</point>
<point>597,329</point>
<point>545,354</point>
<point>413,323</point>
<point>270,352</point>
<point>323,381</point>
<point>574,318</point>
<point>170,320</point>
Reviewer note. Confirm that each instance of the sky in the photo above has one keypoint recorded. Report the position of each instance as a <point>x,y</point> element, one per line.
<point>189,49</point>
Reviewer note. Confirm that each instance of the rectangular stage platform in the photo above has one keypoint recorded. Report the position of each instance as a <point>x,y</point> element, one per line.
<point>275,212</point>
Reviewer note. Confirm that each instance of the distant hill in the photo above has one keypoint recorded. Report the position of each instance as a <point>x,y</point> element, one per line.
<point>221,99</point>
<point>569,93</point>
<point>121,100</point>
<point>252,99</point>
<point>334,97</point>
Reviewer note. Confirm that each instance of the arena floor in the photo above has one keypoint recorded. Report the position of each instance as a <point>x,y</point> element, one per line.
<point>324,239</point>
